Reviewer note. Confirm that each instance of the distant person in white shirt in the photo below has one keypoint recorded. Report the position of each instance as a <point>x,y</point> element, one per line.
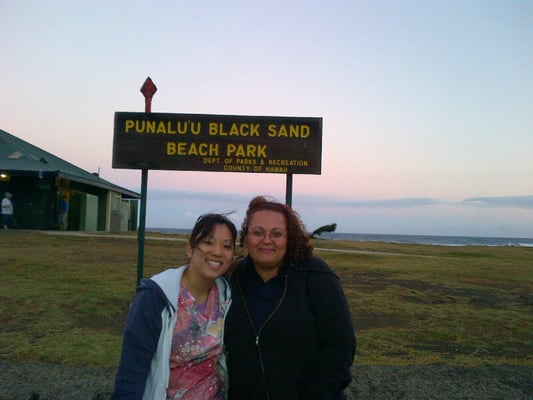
<point>7,211</point>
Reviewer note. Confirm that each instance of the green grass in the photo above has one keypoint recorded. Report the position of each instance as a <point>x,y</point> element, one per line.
<point>64,299</point>
<point>459,306</point>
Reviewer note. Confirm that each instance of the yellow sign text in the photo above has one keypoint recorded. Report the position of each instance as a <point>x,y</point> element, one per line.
<point>289,131</point>
<point>246,150</point>
<point>192,149</point>
<point>243,129</point>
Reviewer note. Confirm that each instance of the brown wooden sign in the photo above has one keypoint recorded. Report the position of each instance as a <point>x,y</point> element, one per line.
<point>226,143</point>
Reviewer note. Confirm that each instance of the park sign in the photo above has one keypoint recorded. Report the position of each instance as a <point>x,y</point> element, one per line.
<point>226,143</point>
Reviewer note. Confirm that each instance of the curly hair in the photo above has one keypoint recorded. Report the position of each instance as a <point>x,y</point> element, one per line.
<point>298,246</point>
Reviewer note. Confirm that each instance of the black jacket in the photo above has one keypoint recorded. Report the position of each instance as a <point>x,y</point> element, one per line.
<point>305,348</point>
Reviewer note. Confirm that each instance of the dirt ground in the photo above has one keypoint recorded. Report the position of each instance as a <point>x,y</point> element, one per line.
<point>37,381</point>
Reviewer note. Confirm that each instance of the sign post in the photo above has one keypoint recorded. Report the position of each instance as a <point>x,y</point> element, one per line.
<point>288,190</point>
<point>148,90</point>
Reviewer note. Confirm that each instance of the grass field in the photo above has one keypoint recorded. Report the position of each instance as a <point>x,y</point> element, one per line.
<point>64,298</point>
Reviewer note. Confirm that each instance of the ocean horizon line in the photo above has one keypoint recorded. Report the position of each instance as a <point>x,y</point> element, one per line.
<point>438,240</point>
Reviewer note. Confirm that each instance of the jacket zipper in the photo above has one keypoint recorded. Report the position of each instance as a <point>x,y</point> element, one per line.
<point>258,334</point>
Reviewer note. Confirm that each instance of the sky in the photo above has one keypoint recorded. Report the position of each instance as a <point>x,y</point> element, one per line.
<point>427,105</point>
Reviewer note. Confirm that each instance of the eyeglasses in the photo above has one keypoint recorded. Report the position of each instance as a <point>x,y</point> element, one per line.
<point>274,234</point>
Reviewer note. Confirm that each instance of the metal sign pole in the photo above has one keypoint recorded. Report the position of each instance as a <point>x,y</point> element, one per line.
<point>148,90</point>
<point>288,190</point>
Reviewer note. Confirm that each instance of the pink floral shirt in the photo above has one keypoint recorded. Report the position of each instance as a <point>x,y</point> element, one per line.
<point>196,347</point>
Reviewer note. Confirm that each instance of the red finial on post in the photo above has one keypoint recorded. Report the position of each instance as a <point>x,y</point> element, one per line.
<point>148,90</point>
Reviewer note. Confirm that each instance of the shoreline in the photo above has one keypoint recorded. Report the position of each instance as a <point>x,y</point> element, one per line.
<point>170,234</point>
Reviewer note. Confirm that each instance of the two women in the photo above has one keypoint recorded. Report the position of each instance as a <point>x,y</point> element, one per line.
<point>287,335</point>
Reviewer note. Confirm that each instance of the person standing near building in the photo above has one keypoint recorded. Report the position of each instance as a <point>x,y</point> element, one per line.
<point>63,214</point>
<point>7,211</point>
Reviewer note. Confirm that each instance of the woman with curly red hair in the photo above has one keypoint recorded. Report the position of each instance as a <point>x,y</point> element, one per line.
<point>288,332</point>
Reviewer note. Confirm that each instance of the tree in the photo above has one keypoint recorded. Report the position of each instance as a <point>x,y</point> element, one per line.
<point>326,228</point>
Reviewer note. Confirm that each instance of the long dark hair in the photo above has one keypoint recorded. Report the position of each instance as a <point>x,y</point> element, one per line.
<point>298,246</point>
<point>204,227</point>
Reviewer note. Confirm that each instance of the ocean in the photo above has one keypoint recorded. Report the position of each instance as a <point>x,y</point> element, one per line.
<point>414,239</point>
<point>436,240</point>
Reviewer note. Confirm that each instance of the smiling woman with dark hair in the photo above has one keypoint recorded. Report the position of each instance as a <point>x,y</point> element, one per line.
<point>172,345</point>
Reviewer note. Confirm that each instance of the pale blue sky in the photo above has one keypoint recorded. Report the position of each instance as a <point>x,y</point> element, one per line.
<point>427,106</point>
